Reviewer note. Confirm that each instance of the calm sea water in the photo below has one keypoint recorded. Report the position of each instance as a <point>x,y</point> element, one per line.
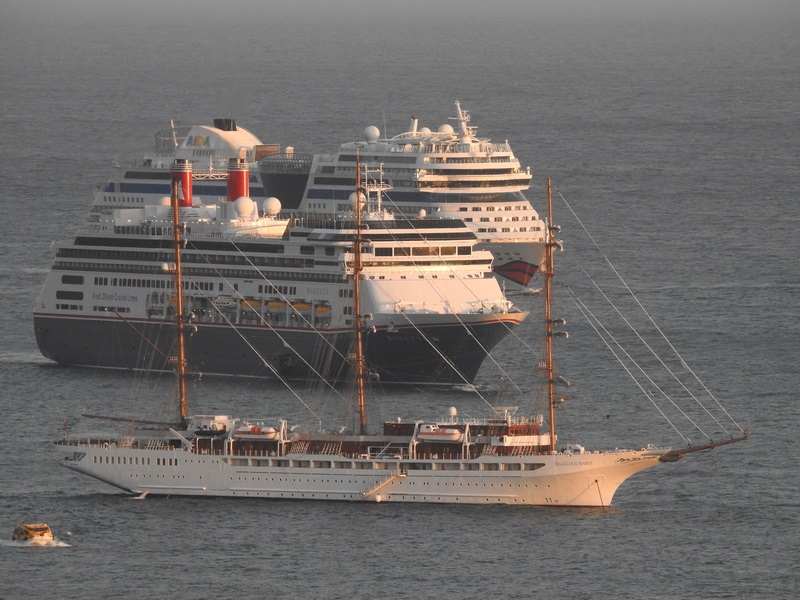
<point>673,136</point>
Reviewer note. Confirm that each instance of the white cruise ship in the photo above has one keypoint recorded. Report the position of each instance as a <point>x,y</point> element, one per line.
<point>254,280</point>
<point>448,173</point>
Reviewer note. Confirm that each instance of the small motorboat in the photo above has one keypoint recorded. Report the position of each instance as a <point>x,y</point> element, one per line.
<point>32,532</point>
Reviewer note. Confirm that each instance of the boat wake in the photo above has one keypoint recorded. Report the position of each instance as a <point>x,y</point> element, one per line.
<point>35,543</point>
<point>24,358</point>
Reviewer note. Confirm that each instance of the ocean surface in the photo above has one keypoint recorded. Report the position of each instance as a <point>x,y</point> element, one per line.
<point>672,132</point>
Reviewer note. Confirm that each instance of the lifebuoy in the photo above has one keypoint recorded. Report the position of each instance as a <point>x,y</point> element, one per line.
<point>105,445</point>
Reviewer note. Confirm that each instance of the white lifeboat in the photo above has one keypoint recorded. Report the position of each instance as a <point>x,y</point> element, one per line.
<point>256,432</point>
<point>434,433</point>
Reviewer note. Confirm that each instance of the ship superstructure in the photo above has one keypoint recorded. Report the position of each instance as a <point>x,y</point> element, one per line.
<point>448,173</point>
<point>209,148</point>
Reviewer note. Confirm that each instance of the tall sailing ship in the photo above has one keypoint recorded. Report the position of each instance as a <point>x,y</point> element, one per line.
<point>450,172</point>
<point>505,459</point>
<point>255,280</point>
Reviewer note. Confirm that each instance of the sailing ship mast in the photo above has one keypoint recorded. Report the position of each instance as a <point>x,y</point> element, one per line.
<point>178,361</point>
<point>358,360</point>
<point>548,271</point>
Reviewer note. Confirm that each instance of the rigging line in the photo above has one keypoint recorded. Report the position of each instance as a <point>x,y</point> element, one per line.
<point>655,354</point>
<point>445,302</point>
<point>581,308</point>
<point>285,299</point>
<point>432,345</point>
<point>594,320</point>
<point>272,368</point>
<point>417,265</point>
<point>141,335</point>
<point>429,243</point>
<point>447,360</point>
<point>285,343</point>
<point>636,299</point>
<point>259,315</point>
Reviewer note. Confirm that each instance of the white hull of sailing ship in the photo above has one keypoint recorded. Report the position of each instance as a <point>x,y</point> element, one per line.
<point>269,296</point>
<point>236,467</point>
<point>449,173</point>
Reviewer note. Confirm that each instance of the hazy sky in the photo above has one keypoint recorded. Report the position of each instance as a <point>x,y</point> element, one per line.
<point>370,10</point>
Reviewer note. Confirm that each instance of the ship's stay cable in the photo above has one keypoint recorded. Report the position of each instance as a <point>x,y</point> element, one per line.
<point>652,321</point>
<point>267,323</point>
<point>299,314</point>
<point>458,317</point>
<point>319,377</point>
<point>597,325</point>
<point>445,302</point>
<point>277,333</point>
<point>255,350</point>
<point>658,358</point>
<point>446,359</point>
<point>380,198</point>
<point>270,366</point>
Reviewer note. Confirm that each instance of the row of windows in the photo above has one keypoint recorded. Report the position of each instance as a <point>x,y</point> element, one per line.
<point>450,185</point>
<point>114,309</point>
<point>201,272</point>
<point>274,289</point>
<point>498,219</point>
<point>69,307</point>
<point>493,208</point>
<point>206,286</point>
<point>323,464</point>
<point>188,258</point>
<point>134,460</point>
<point>425,251</point>
<point>419,276</point>
<point>470,159</point>
<point>123,199</point>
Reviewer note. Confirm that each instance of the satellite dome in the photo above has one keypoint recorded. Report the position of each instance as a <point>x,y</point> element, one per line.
<point>244,206</point>
<point>372,133</point>
<point>446,128</point>
<point>271,206</point>
<point>425,130</point>
<point>165,201</point>
<point>353,199</point>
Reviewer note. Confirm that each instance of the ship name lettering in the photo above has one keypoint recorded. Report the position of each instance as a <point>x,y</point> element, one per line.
<point>115,297</point>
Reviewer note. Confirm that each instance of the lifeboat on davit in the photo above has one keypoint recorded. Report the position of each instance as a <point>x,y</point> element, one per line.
<point>434,433</point>
<point>256,432</point>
